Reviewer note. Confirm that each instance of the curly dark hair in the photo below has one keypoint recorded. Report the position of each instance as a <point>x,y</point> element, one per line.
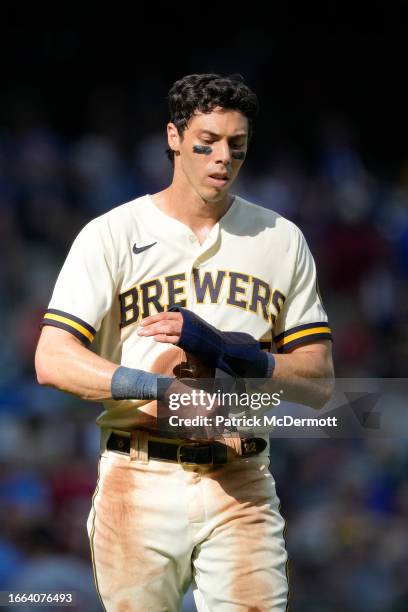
<point>203,92</point>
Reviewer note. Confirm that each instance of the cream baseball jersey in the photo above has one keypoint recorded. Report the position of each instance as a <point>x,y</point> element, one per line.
<point>254,273</point>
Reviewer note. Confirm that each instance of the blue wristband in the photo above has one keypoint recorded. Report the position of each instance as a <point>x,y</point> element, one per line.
<point>129,383</point>
<point>271,365</point>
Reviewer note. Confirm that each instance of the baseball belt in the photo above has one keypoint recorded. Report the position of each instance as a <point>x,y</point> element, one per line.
<point>189,453</point>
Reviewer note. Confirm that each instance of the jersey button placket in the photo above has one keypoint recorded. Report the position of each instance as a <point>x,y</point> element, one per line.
<point>193,248</point>
<point>201,256</point>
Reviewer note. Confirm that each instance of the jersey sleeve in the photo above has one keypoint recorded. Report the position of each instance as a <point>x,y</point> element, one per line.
<point>302,318</point>
<point>84,289</point>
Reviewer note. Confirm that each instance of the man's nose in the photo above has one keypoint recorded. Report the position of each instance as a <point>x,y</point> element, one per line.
<point>223,152</point>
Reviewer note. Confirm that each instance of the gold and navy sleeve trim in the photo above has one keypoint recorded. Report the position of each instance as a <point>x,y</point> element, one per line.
<point>302,334</point>
<point>66,321</point>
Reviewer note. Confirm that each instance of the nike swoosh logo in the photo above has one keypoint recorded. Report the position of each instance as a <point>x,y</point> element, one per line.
<point>138,250</point>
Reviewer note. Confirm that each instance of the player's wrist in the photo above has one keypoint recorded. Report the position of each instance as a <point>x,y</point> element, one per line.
<point>131,383</point>
<point>270,365</point>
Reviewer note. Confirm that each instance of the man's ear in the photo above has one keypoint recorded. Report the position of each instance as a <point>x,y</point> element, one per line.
<point>173,137</point>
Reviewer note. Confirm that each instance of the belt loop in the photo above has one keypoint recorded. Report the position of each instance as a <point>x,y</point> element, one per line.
<point>139,449</point>
<point>233,441</point>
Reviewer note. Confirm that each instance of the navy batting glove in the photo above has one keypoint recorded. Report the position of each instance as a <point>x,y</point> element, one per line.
<point>236,353</point>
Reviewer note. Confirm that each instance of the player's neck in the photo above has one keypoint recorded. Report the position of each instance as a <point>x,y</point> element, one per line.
<point>189,208</point>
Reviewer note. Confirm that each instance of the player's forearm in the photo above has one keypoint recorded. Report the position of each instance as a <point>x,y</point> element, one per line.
<point>303,365</point>
<point>307,376</point>
<point>73,368</point>
<point>64,363</point>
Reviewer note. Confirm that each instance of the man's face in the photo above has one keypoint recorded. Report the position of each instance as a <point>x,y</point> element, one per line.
<point>211,151</point>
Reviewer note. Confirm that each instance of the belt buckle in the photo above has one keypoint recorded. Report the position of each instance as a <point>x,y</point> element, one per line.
<point>192,444</point>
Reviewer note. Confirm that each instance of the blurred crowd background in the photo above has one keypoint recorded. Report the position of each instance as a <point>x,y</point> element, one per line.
<point>82,129</point>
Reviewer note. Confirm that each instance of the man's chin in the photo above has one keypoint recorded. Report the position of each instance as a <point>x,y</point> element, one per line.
<point>213,196</point>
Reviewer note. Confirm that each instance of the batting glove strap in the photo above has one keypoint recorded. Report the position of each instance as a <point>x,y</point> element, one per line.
<point>236,353</point>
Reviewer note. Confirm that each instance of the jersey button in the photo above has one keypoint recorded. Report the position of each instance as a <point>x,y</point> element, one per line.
<point>192,238</point>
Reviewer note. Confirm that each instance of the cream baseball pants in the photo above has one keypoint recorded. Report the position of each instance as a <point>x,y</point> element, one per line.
<point>157,526</point>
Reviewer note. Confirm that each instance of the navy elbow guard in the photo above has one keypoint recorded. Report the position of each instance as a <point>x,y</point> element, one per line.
<point>236,353</point>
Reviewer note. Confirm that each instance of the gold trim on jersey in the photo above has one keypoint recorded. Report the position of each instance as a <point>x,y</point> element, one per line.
<point>257,300</point>
<point>74,325</point>
<point>303,334</point>
<point>236,291</point>
<point>205,284</point>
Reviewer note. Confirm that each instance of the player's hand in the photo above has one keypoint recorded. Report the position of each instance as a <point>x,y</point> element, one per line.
<point>164,327</point>
<point>196,403</point>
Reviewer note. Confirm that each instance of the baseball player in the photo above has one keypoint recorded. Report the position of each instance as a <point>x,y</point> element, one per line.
<point>150,286</point>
